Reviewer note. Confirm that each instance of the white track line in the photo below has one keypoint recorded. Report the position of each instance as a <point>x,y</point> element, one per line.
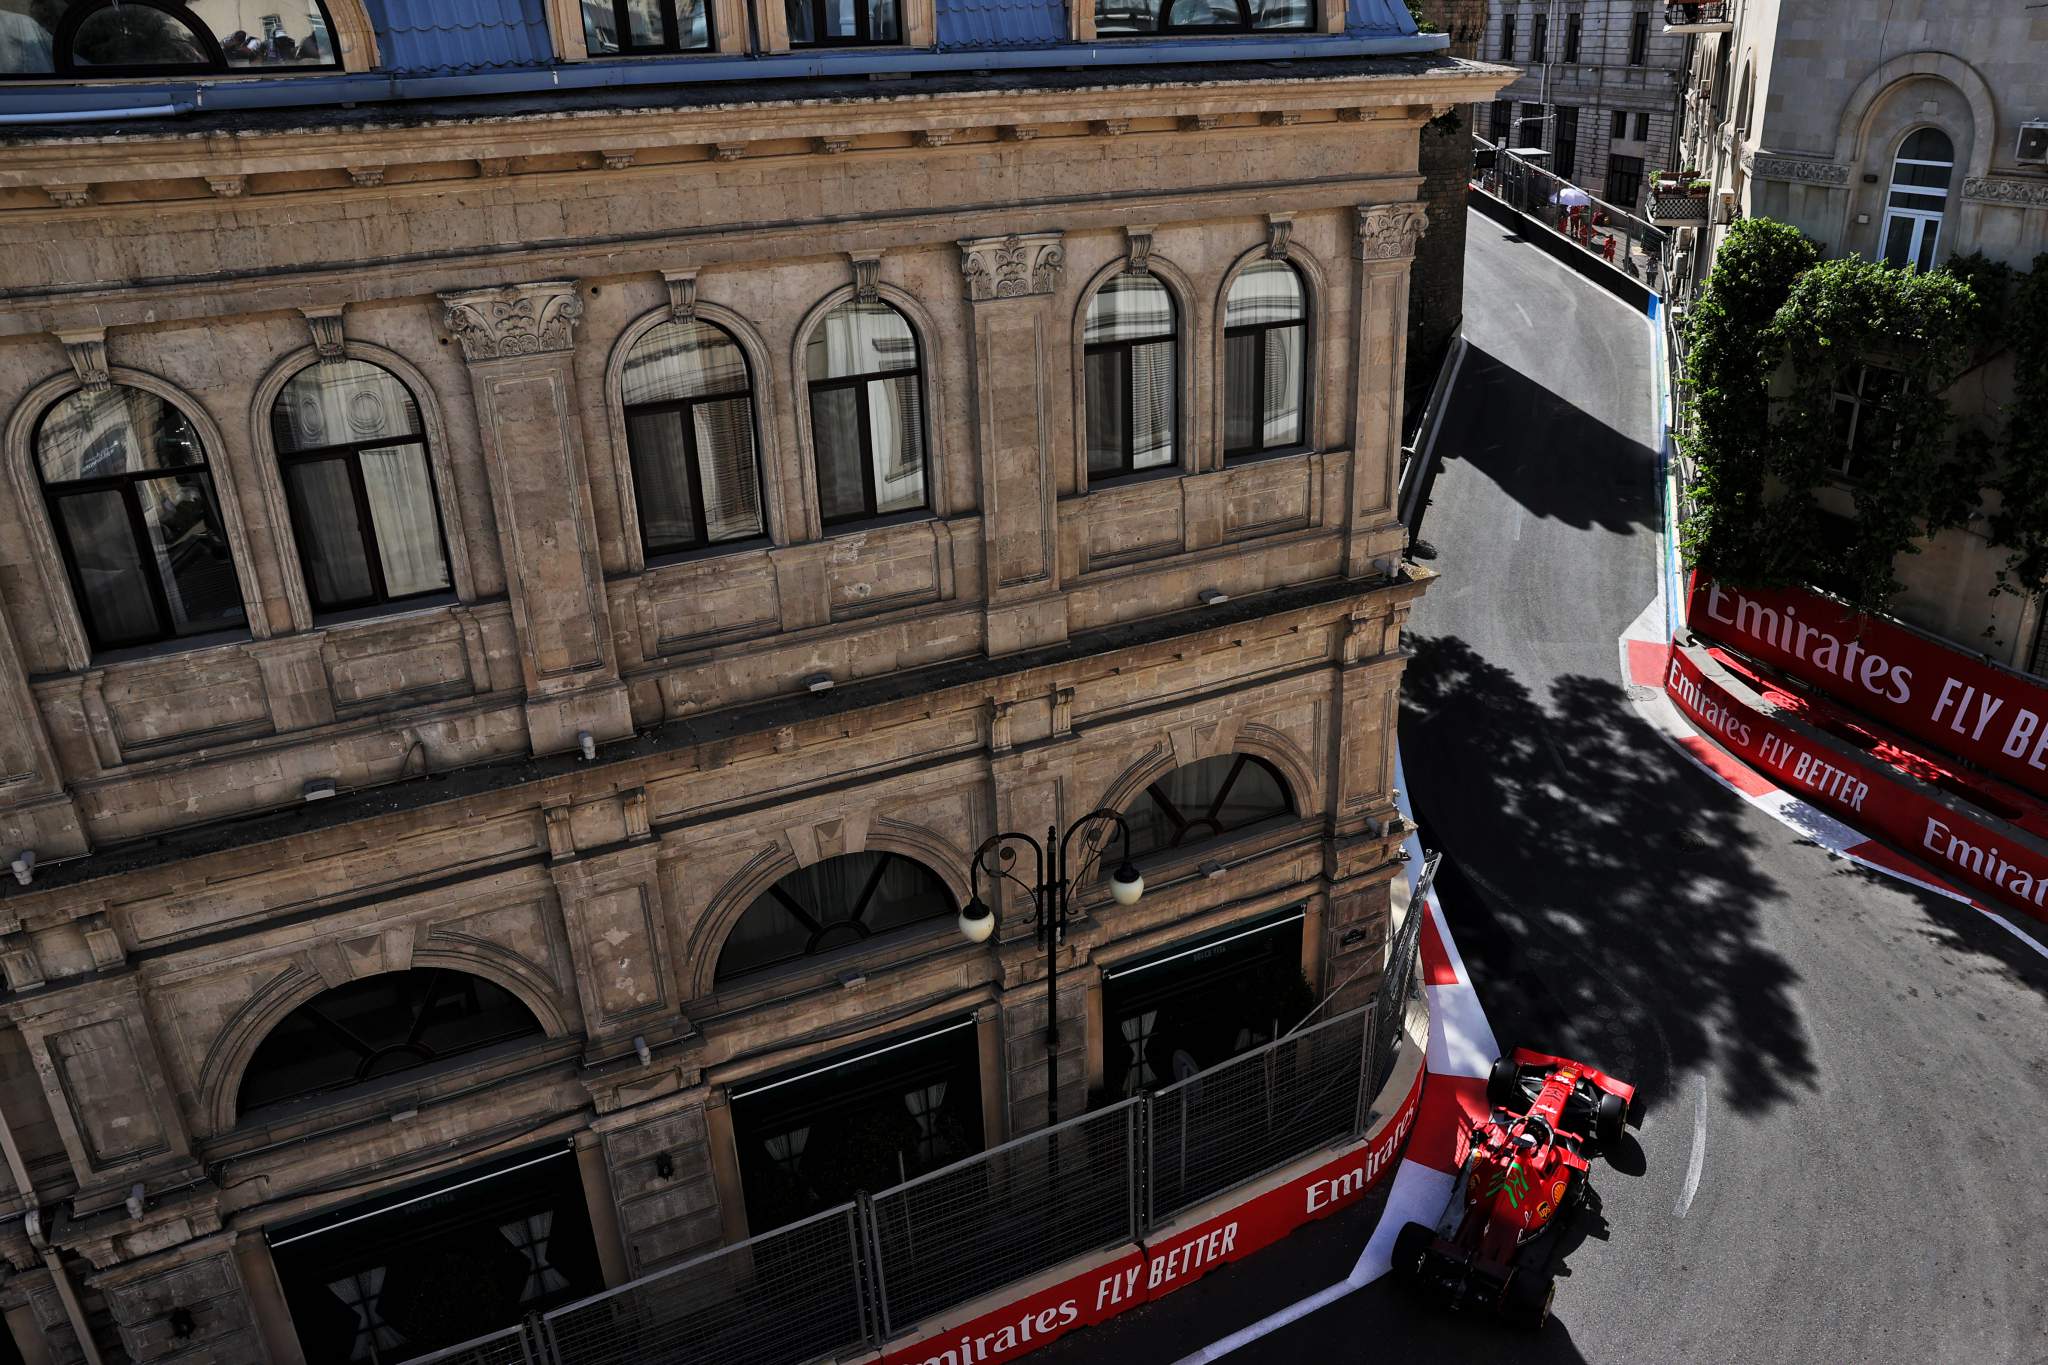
<point>1696,1165</point>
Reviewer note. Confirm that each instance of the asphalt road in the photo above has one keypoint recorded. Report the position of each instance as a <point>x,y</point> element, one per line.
<point>1862,1069</point>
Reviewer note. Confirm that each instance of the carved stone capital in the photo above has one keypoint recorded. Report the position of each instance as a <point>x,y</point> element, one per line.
<point>833,146</point>
<point>1805,170</point>
<point>1111,127</point>
<point>69,196</point>
<point>867,275</point>
<point>1993,190</point>
<point>493,167</point>
<point>227,186</point>
<point>86,349</point>
<point>1012,267</point>
<point>369,177</point>
<point>1017,132</point>
<point>1389,232</point>
<point>729,151</point>
<point>519,319</point>
<point>324,321</point>
<point>935,137</point>
<point>1279,227</point>
<point>617,160</point>
<point>682,294</point>
<point>1280,118</point>
<point>1138,248</point>
<point>1193,123</point>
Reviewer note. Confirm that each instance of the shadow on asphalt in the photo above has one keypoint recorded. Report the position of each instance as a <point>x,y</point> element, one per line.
<point>1603,927</point>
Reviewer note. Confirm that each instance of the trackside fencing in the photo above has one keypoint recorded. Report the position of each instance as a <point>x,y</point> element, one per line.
<point>852,1277</point>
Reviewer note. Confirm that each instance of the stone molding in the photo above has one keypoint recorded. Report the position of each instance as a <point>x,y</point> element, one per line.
<point>86,349</point>
<point>517,320</point>
<point>1389,232</point>
<point>867,275</point>
<point>1279,227</point>
<point>1805,170</point>
<point>324,322</point>
<point>1016,266</point>
<point>1995,190</point>
<point>1138,249</point>
<point>682,294</point>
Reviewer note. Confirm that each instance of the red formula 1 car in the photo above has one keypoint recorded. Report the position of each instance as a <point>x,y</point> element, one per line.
<point>1525,1175</point>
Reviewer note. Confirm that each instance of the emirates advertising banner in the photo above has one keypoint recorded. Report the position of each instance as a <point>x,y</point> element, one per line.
<point>1142,1274</point>
<point>1969,852</point>
<point>1995,719</point>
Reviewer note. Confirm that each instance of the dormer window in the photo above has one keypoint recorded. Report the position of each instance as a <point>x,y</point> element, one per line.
<point>1114,18</point>
<point>632,28</point>
<point>103,38</point>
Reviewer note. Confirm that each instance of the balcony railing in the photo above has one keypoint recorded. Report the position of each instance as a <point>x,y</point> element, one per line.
<point>1677,205</point>
<point>1697,19</point>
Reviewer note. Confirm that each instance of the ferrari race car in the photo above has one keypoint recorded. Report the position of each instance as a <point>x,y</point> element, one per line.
<point>1525,1175</point>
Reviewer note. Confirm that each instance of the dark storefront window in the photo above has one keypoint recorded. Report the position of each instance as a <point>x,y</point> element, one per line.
<point>1195,1005</point>
<point>439,1262</point>
<point>811,1137</point>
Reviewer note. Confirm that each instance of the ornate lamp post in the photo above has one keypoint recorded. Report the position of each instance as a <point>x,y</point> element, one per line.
<point>1048,890</point>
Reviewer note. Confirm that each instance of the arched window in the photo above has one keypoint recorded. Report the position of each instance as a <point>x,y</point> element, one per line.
<point>361,494</point>
<point>1265,385</point>
<point>690,438</point>
<point>1208,799</point>
<point>1918,197</point>
<point>867,413</point>
<point>99,38</point>
<point>831,905</point>
<point>136,518</point>
<point>1129,345</point>
<point>377,1027</point>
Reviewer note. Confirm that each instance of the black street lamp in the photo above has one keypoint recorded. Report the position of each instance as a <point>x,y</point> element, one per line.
<point>1048,913</point>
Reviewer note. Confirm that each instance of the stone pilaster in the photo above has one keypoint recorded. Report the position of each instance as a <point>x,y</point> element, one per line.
<point>517,341</point>
<point>1383,251</point>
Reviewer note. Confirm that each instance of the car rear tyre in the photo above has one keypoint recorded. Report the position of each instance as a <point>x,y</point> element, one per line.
<point>1610,1119</point>
<point>1504,1087</point>
<point>1411,1244</point>
<point>1528,1299</point>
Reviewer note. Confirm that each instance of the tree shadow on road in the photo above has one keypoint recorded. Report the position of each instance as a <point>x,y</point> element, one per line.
<point>1604,912</point>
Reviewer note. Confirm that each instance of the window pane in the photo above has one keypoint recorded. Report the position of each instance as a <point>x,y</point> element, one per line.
<point>798,15</point>
<point>94,433</point>
<point>25,37</point>
<point>1253,795</point>
<point>1106,394</point>
<point>191,553</point>
<point>135,35</point>
<point>115,600</point>
<point>725,453</point>
<point>765,935</point>
<point>840,19</point>
<point>860,338</point>
<point>643,24</point>
<point>1898,239</point>
<point>906,894</point>
<point>1928,144</point>
<point>1126,16</point>
<point>1283,386</point>
<point>1241,392</point>
<point>695,17</point>
<point>1152,405</point>
<point>341,402</point>
<point>1129,308</point>
<point>682,360</point>
<point>600,28</point>
<point>285,34</point>
<point>882,23</point>
<point>896,424</point>
<point>1269,291</point>
<point>1931,179</point>
<point>401,494</point>
<point>1930,230</point>
<point>835,433</point>
<point>330,532</point>
<point>661,482</point>
<point>1203,14</point>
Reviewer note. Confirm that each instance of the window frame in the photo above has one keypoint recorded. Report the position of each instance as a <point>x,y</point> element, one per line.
<point>861,22</point>
<point>1639,37</point>
<point>1507,35</point>
<point>819,928</point>
<point>1860,403</point>
<point>64,68</point>
<point>1090,349</point>
<point>869,514</point>
<point>1304,438</point>
<point>650,553</point>
<point>1564,154</point>
<point>1245,24</point>
<point>1920,218</point>
<point>1180,846</point>
<point>671,24</point>
<point>1574,33</point>
<point>1539,36</point>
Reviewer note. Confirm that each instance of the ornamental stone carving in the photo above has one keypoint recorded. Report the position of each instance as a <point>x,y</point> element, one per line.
<point>1012,267</point>
<point>520,319</point>
<point>324,322</point>
<point>86,349</point>
<point>2030,193</point>
<point>1389,232</point>
<point>1138,249</point>
<point>1807,172</point>
<point>1279,226</point>
<point>682,294</point>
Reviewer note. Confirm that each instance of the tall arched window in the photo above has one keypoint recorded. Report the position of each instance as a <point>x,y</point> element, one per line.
<point>831,905</point>
<point>361,493</point>
<point>379,1026</point>
<point>1129,345</point>
<point>1208,799</point>
<point>1265,385</point>
<point>690,438</point>
<point>99,38</point>
<point>867,413</point>
<point>1918,197</point>
<point>136,517</point>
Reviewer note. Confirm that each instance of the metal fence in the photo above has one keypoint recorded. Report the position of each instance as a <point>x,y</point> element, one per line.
<point>857,1275</point>
<point>1638,245</point>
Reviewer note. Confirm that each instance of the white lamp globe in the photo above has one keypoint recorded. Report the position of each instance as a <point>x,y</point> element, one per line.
<point>976,923</point>
<point>1126,884</point>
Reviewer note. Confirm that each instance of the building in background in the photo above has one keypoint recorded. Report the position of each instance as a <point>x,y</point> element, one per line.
<point>1436,295</point>
<point>1598,90</point>
<point>535,544</point>
<point>1909,137</point>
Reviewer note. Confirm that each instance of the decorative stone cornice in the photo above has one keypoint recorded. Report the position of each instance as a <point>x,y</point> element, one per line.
<point>1111,127</point>
<point>617,160</point>
<point>369,177</point>
<point>324,321</point>
<point>934,137</point>
<point>1012,267</point>
<point>1193,123</point>
<point>69,196</point>
<point>1389,232</point>
<point>1017,132</point>
<point>1767,166</point>
<point>833,146</point>
<point>493,167</point>
<point>1138,248</point>
<point>227,186</point>
<point>1280,118</point>
<point>519,319</point>
<point>1993,190</point>
<point>1279,226</point>
<point>682,294</point>
<point>867,275</point>
<point>729,151</point>
<point>86,349</point>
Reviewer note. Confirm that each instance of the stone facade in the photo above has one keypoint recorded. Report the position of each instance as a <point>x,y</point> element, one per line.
<point>1032,648</point>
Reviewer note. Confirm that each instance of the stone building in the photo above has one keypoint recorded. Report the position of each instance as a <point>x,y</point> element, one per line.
<point>1908,137</point>
<point>538,538</point>
<point>1598,89</point>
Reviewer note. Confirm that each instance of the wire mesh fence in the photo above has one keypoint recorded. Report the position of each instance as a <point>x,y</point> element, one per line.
<point>1390,1006</point>
<point>1011,1212</point>
<point>1611,231</point>
<point>513,1346</point>
<point>791,1295</point>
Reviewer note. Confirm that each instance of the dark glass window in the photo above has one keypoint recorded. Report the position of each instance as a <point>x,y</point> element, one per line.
<point>1208,799</point>
<point>1539,37</point>
<point>357,480</point>
<point>830,905</point>
<point>100,38</point>
<point>1864,415</point>
<point>1129,353</point>
<point>1122,17</point>
<point>1638,36</point>
<point>1507,37</point>
<point>1500,121</point>
<point>1565,159</point>
<point>689,409</point>
<point>1619,129</point>
<point>844,23</point>
<point>1642,127</point>
<point>629,27</point>
<point>1530,134</point>
<point>1265,374</point>
<point>1624,180</point>
<point>380,1026</point>
<point>1917,199</point>
<point>136,518</point>
<point>1574,26</point>
<point>867,413</point>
